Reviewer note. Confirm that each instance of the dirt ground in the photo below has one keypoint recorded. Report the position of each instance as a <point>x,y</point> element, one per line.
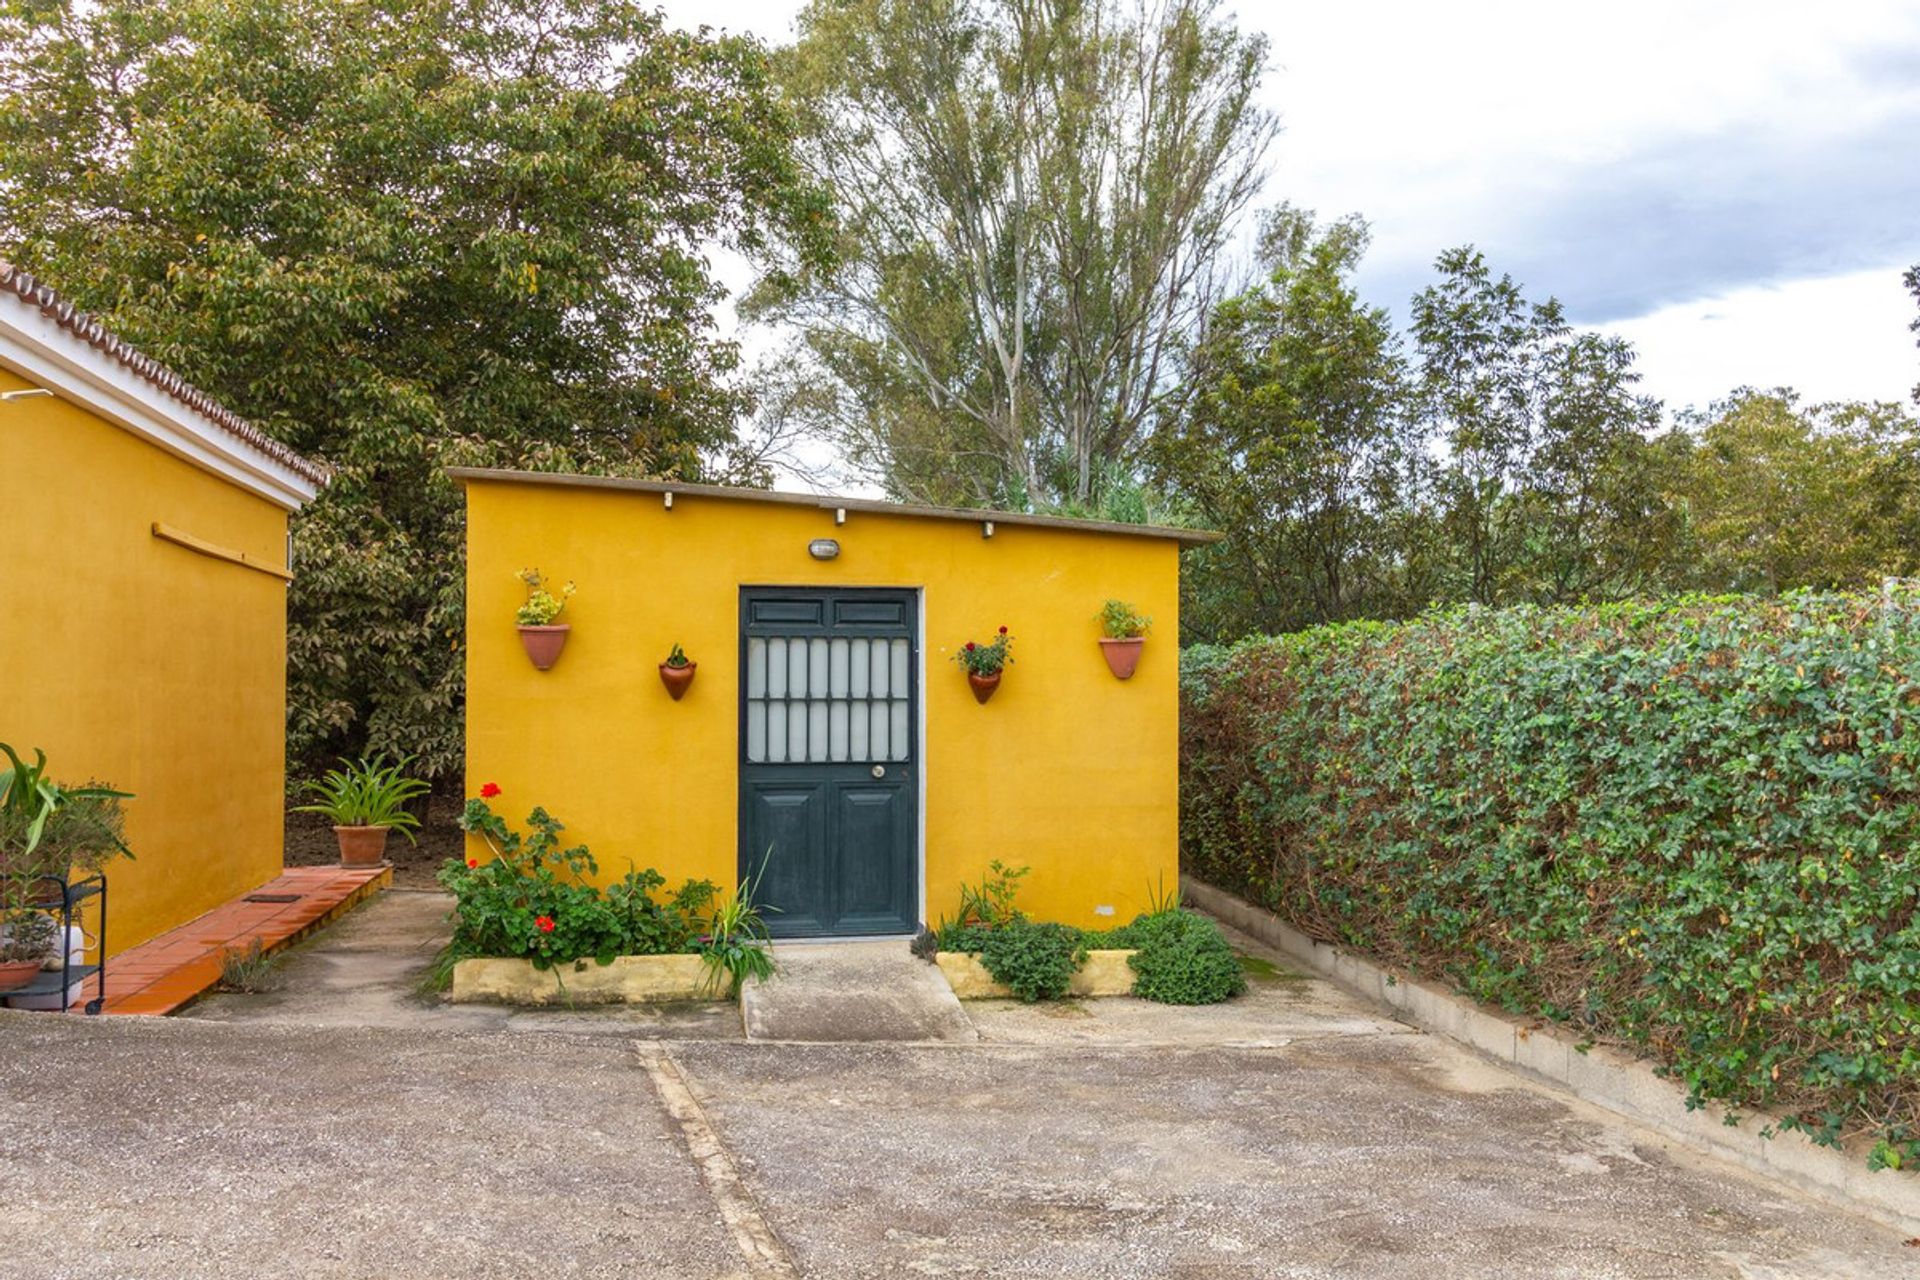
<point>348,1127</point>
<point>310,843</point>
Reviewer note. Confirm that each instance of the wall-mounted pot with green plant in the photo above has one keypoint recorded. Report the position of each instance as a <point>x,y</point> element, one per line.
<point>677,672</point>
<point>366,799</point>
<point>542,635</point>
<point>1126,633</point>
<point>48,831</point>
<point>985,662</point>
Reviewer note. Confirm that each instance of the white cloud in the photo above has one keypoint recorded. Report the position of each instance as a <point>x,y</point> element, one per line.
<point>1837,338</point>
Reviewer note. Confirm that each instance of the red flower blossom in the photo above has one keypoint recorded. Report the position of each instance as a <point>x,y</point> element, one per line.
<point>969,646</point>
<point>473,862</point>
<point>1003,631</point>
<point>489,790</point>
<point>543,923</point>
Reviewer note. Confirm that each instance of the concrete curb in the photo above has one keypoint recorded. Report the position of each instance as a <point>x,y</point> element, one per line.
<point>1603,1076</point>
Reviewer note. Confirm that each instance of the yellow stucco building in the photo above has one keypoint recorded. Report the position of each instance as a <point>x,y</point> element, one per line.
<point>145,643</point>
<point>827,735</point>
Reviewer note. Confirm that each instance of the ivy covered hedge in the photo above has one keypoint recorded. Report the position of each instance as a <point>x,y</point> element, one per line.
<point>1691,826</point>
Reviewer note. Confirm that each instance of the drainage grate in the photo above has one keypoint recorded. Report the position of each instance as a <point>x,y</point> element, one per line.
<point>271,897</point>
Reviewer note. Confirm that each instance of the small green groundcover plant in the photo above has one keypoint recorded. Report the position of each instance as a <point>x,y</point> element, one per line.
<point>536,899</point>
<point>1179,957</point>
<point>1687,825</point>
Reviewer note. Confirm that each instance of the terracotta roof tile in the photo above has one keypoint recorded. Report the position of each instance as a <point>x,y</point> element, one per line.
<point>90,330</point>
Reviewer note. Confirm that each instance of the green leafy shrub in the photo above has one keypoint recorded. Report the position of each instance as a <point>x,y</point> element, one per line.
<point>1034,961</point>
<point>533,900</point>
<point>1688,825</point>
<point>1182,958</point>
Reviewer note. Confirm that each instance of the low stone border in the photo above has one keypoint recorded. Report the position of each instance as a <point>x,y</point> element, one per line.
<point>1604,1076</point>
<point>1104,973</point>
<point>628,980</point>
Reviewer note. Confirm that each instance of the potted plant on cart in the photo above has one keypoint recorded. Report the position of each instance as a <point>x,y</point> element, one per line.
<point>366,799</point>
<point>677,672</point>
<point>1126,632</point>
<point>47,832</point>
<point>540,635</point>
<point>985,662</point>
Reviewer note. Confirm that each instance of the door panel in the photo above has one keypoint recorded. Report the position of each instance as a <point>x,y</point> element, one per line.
<point>785,817</point>
<point>828,725</point>
<point>871,820</point>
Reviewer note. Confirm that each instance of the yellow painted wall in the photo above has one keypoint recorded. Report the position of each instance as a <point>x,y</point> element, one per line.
<point>1067,769</point>
<point>140,663</point>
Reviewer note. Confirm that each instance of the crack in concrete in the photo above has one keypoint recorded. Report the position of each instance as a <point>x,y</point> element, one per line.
<point>765,1254</point>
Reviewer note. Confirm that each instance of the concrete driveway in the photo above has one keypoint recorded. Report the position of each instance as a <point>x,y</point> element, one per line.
<point>1294,1134</point>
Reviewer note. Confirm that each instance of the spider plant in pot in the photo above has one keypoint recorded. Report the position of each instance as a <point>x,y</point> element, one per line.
<point>1126,632</point>
<point>365,799</point>
<point>985,662</point>
<point>540,635</point>
<point>677,672</point>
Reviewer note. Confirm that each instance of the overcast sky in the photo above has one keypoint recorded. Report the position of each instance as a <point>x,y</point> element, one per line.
<point>1733,185</point>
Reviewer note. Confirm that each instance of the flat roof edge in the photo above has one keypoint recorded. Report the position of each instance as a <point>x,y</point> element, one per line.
<point>828,502</point>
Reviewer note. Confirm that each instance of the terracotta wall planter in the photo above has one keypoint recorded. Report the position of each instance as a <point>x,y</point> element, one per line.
<point>543,644</point>
<point>362,846</point>
<point>677,679</point>
<point>983,686</point>
<point>1122,655</point>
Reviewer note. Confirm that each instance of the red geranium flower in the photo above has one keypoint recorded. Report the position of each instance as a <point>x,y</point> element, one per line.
<point>1003,631</point>
<point>543,923</point>
<point>473,862</point>
<point>489,790</point>
<point>969,646</point>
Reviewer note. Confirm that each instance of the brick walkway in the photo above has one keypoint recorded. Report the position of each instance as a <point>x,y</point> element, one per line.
<point>160,975</point>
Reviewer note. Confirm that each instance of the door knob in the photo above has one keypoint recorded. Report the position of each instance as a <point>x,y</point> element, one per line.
<point>879,771</point>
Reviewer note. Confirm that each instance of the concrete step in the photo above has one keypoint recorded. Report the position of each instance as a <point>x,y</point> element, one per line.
<point>851,991</point>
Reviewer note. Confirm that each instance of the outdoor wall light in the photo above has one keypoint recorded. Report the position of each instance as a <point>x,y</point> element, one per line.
<point>823,549</point>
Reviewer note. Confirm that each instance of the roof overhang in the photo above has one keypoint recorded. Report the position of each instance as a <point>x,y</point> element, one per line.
<point>35,344</point>
<point>972,515</point>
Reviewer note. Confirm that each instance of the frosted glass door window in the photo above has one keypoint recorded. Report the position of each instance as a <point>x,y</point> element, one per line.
<point>820,700</point>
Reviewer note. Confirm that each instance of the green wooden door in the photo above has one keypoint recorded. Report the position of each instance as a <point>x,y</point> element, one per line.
<point>829,709</point>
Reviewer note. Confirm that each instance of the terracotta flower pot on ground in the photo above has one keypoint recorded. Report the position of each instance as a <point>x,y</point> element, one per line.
<point>543,644</point>
<point>983,686</point>
<point>15,974</point>
<point>1122,655</point>
<point>362,846</point>
<point>677,679</point>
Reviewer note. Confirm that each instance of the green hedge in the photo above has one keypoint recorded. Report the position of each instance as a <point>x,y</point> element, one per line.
<point>1688,825</point>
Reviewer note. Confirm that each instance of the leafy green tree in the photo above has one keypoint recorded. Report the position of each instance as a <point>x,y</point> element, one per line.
<point>1294,432</point>
<point>1033,199</point>
<point>1777,495</point>
<point>1547,492</point>
<point>1913,287</point>
<point>398,234</point>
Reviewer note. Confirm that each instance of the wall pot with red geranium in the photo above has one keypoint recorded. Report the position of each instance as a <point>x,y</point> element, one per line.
<point>366,799</point>
<point>984,663</point>
<point>1125,635</point>
<point>677,673</point>
<point>540,635</point>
